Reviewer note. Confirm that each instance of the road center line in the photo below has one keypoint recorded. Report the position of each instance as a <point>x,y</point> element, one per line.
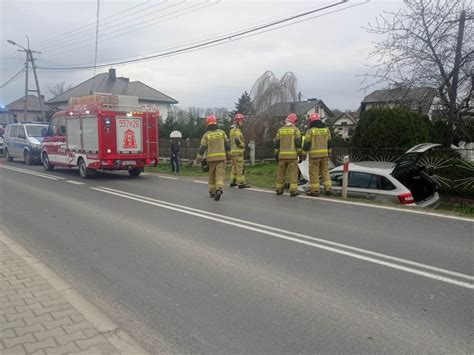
<point>75,182</point>
<point>167,177</point>
<point>30,172</point>
<point>200,182</point>
<point>217,218</point>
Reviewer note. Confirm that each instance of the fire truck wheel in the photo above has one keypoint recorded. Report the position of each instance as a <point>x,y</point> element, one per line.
<point>27,158</point>
<point>46,164</point>
<point>7,155</point>
<point>134,172</point>
<point>84,171</point>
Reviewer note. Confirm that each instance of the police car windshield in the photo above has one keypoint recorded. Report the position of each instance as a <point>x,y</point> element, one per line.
<point>34,131</point>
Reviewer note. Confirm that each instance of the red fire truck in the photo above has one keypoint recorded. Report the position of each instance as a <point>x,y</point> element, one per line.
<point>102,132</point>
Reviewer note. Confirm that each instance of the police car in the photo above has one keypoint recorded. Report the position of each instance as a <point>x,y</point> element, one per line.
<point>23,141</point>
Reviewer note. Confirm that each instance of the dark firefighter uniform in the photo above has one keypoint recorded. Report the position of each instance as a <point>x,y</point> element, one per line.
<point>216,145</point>
<point>287,151</point>
<point>318,146</point>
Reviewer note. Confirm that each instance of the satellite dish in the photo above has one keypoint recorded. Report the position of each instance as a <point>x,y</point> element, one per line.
<point>176,134</point>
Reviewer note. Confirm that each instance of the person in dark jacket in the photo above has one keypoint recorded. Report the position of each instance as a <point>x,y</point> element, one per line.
<point>175,145</point>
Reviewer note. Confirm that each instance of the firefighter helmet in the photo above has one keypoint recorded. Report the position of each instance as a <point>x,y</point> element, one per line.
<point>314,117</point>
<point>239,118</point>
<point>211,119</point>
<point>292,118</point>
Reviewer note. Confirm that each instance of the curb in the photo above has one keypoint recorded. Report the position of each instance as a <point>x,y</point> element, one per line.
<point>118,338</point>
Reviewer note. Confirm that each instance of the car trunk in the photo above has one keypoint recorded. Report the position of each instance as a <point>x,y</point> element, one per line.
<point>412,175</point>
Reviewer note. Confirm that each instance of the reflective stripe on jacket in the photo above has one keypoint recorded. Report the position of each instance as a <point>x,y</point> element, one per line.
<point>288,142</point>
<point>236,135</point>
<point>318,139</point>
<point>216,145</point>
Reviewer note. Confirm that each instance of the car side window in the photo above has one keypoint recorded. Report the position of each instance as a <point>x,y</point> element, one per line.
<point>336,178</point>
<point>53,129</point>
<point>360,180</point>
<point>13,131</point>
<point>381,183</point>
<point>21,132</point>
<point>62,126</point>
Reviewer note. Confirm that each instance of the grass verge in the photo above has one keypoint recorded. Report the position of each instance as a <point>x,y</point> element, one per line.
<point>258,175</point>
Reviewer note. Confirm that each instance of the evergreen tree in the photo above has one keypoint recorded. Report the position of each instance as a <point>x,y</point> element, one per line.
<point>243,105</point>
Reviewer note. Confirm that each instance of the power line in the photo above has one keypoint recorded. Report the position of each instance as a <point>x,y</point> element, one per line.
<point>206,43</point>
<point>72,40</point>
<point>176,14</point>
<point>13,78</point>
<point>67,34</point>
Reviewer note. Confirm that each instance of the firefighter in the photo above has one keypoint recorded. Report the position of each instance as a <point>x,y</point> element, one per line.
<point>216,145</point>
<point>237,147</point>
<point>287,152</point>
<point>318,145</point>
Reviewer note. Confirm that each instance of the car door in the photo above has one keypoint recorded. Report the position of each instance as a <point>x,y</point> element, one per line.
<point>359,185</point>
<point>50,145</point>
<point>11,142</point>
<point>21,141</point>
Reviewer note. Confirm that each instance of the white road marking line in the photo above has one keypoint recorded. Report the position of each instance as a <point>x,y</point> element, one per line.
<point>167,177</point>
<point>46,176</point>
<point>353,203</point>
<point>32,172</point>
<point>145,174</point>
<point>260,190</point>
<point>299,235</point>
<point>267,231</point>
<point>75,182</point>
<point>200,182</point>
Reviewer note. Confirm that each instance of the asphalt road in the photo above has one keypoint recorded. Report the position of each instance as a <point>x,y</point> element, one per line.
<point>252,273</point>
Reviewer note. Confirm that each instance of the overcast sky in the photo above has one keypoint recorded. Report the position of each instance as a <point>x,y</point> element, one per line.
<point>326,53</point>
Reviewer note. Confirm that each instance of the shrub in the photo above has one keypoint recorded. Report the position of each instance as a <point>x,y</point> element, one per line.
<point>392,128</point>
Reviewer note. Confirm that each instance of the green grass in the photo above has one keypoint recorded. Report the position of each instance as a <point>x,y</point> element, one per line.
<point>258,175</point>
<point>460,207</point>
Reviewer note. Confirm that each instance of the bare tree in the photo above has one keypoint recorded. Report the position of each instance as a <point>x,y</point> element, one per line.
<point>422,46</point>
<point>58,88</point>
<point>268,90</point>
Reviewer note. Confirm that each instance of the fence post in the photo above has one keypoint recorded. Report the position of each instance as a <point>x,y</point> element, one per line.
<point>345,176</point>
<point>252,152</point>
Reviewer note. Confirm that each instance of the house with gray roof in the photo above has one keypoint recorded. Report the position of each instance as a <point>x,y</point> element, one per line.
<point>300,108</point>
<point>16,109</point>
<point>421,99</point>
<point>111,84</point>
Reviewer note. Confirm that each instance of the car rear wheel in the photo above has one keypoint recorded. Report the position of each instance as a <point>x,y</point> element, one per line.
<point>27,158</point>
<point>84,171</point>
<point>7,155</point>
<point>46,164</point>
<point>134,172</point>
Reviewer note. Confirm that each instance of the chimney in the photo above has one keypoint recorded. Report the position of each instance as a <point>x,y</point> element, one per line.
<point>112,74</point>
<point>312,99</point>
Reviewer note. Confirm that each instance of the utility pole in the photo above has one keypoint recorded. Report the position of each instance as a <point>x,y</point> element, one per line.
<point>29,58</point>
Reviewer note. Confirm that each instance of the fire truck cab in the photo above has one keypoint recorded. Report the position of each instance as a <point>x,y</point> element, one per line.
<point>102,132</point>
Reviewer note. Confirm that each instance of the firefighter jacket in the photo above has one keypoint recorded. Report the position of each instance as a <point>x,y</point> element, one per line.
<point>317,141</point>
<point>237,145</point>
<point>288,142</point>
<point>215,143</point>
